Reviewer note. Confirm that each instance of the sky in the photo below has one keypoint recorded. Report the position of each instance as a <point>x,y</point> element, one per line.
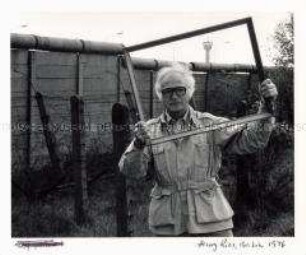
<point>228,46</point>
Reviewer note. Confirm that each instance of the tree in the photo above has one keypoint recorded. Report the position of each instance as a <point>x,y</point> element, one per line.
<point>284,60</point>
<point>284,43</point>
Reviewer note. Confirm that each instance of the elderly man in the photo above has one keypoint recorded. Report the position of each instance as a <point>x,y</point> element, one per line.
<point>187,199</point>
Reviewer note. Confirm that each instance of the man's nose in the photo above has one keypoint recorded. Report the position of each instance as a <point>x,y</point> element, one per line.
<point>174,95</point>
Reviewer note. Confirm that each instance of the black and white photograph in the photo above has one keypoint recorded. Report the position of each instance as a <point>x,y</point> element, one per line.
<point>153,126</point>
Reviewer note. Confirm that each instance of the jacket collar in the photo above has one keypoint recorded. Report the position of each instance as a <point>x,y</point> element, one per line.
<point>190,118</point>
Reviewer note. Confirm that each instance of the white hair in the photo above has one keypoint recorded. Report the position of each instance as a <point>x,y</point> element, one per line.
<point>176,68</point>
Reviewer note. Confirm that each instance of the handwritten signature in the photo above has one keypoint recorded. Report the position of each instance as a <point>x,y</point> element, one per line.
<point>38,243</point>
<point>229,244</point>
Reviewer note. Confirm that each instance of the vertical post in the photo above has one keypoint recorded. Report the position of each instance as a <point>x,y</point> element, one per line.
<point>206,92</point>
<point>31,81</point>
<point>80,87</point>
<point>244,197</point>
<point>249,81</point>
<point>79,166</point>
<point>269,105</point>
<point>207,47</point>
<point>131,105</point>
<point>151,109</point>
<point>119,58</point>
<point>121,138</point>
<point>49,136</point>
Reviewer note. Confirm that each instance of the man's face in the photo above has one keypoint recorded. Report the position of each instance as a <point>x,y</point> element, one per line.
<point>174,97</point>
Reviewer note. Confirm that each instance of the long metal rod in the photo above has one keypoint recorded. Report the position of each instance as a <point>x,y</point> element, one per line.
<point>209,128</point>
<point>260,69</point>
<point>186,35</point>
<point>255,50</point>
<point>131,73</point>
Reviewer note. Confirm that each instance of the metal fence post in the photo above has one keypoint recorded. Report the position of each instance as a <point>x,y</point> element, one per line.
<point>121,138</point>
<point>206,92</point>
<point>49,136</point>
<point>151,105</point>
<point>31,81</point>
<point>79,164</point>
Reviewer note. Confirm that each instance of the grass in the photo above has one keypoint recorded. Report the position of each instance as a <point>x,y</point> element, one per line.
<point>271,214</point>
<point>272,188</point>
<point>53,216</point>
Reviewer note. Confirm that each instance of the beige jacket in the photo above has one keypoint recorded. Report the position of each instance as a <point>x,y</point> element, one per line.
<point>187,196</point>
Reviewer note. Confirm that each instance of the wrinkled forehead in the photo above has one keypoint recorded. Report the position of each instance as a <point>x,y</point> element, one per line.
<point>173,80</point>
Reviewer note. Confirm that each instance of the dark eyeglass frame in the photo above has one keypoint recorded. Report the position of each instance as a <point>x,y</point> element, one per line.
<point>179,91</point>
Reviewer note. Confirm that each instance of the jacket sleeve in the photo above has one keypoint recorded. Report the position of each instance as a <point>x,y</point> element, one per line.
<point>134,162</point>
<point>247,138</point>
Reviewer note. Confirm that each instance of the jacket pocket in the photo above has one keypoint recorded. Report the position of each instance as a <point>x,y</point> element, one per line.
<point>161,163</point>
<point>160,210</point>
<point>212,206</point>
<point>202,155</point>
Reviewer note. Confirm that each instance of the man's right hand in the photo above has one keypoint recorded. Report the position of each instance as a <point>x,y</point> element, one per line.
<point>141,135</point>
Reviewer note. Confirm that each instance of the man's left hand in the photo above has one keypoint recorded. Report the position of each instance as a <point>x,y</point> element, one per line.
<point>268,90</point>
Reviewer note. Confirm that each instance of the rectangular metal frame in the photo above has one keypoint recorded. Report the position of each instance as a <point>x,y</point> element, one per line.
<point>245,21</point>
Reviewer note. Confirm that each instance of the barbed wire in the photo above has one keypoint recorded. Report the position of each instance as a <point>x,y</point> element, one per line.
<point>35,87</point>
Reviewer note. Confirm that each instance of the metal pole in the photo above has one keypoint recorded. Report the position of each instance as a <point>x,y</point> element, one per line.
<point>256,53</point>
<point>206,92</point>
<point>78,150</point>
<point>131,73</point>
<point>255,49</point>
<point>151,101</point>
<point>49,136</point>
<point>209,128</point>
<point>121,139</point>
<point>80,79</point>
<point>118,77</point>
<point>187,35</point>
<point>31,81</point>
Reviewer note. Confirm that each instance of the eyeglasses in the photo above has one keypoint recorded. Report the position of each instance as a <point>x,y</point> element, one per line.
<point>180,91</point>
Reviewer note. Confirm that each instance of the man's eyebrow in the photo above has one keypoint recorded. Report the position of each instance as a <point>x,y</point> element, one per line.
<point>175,88</point>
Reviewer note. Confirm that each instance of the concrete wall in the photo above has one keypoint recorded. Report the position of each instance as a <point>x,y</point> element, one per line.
<point>56,75</point>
